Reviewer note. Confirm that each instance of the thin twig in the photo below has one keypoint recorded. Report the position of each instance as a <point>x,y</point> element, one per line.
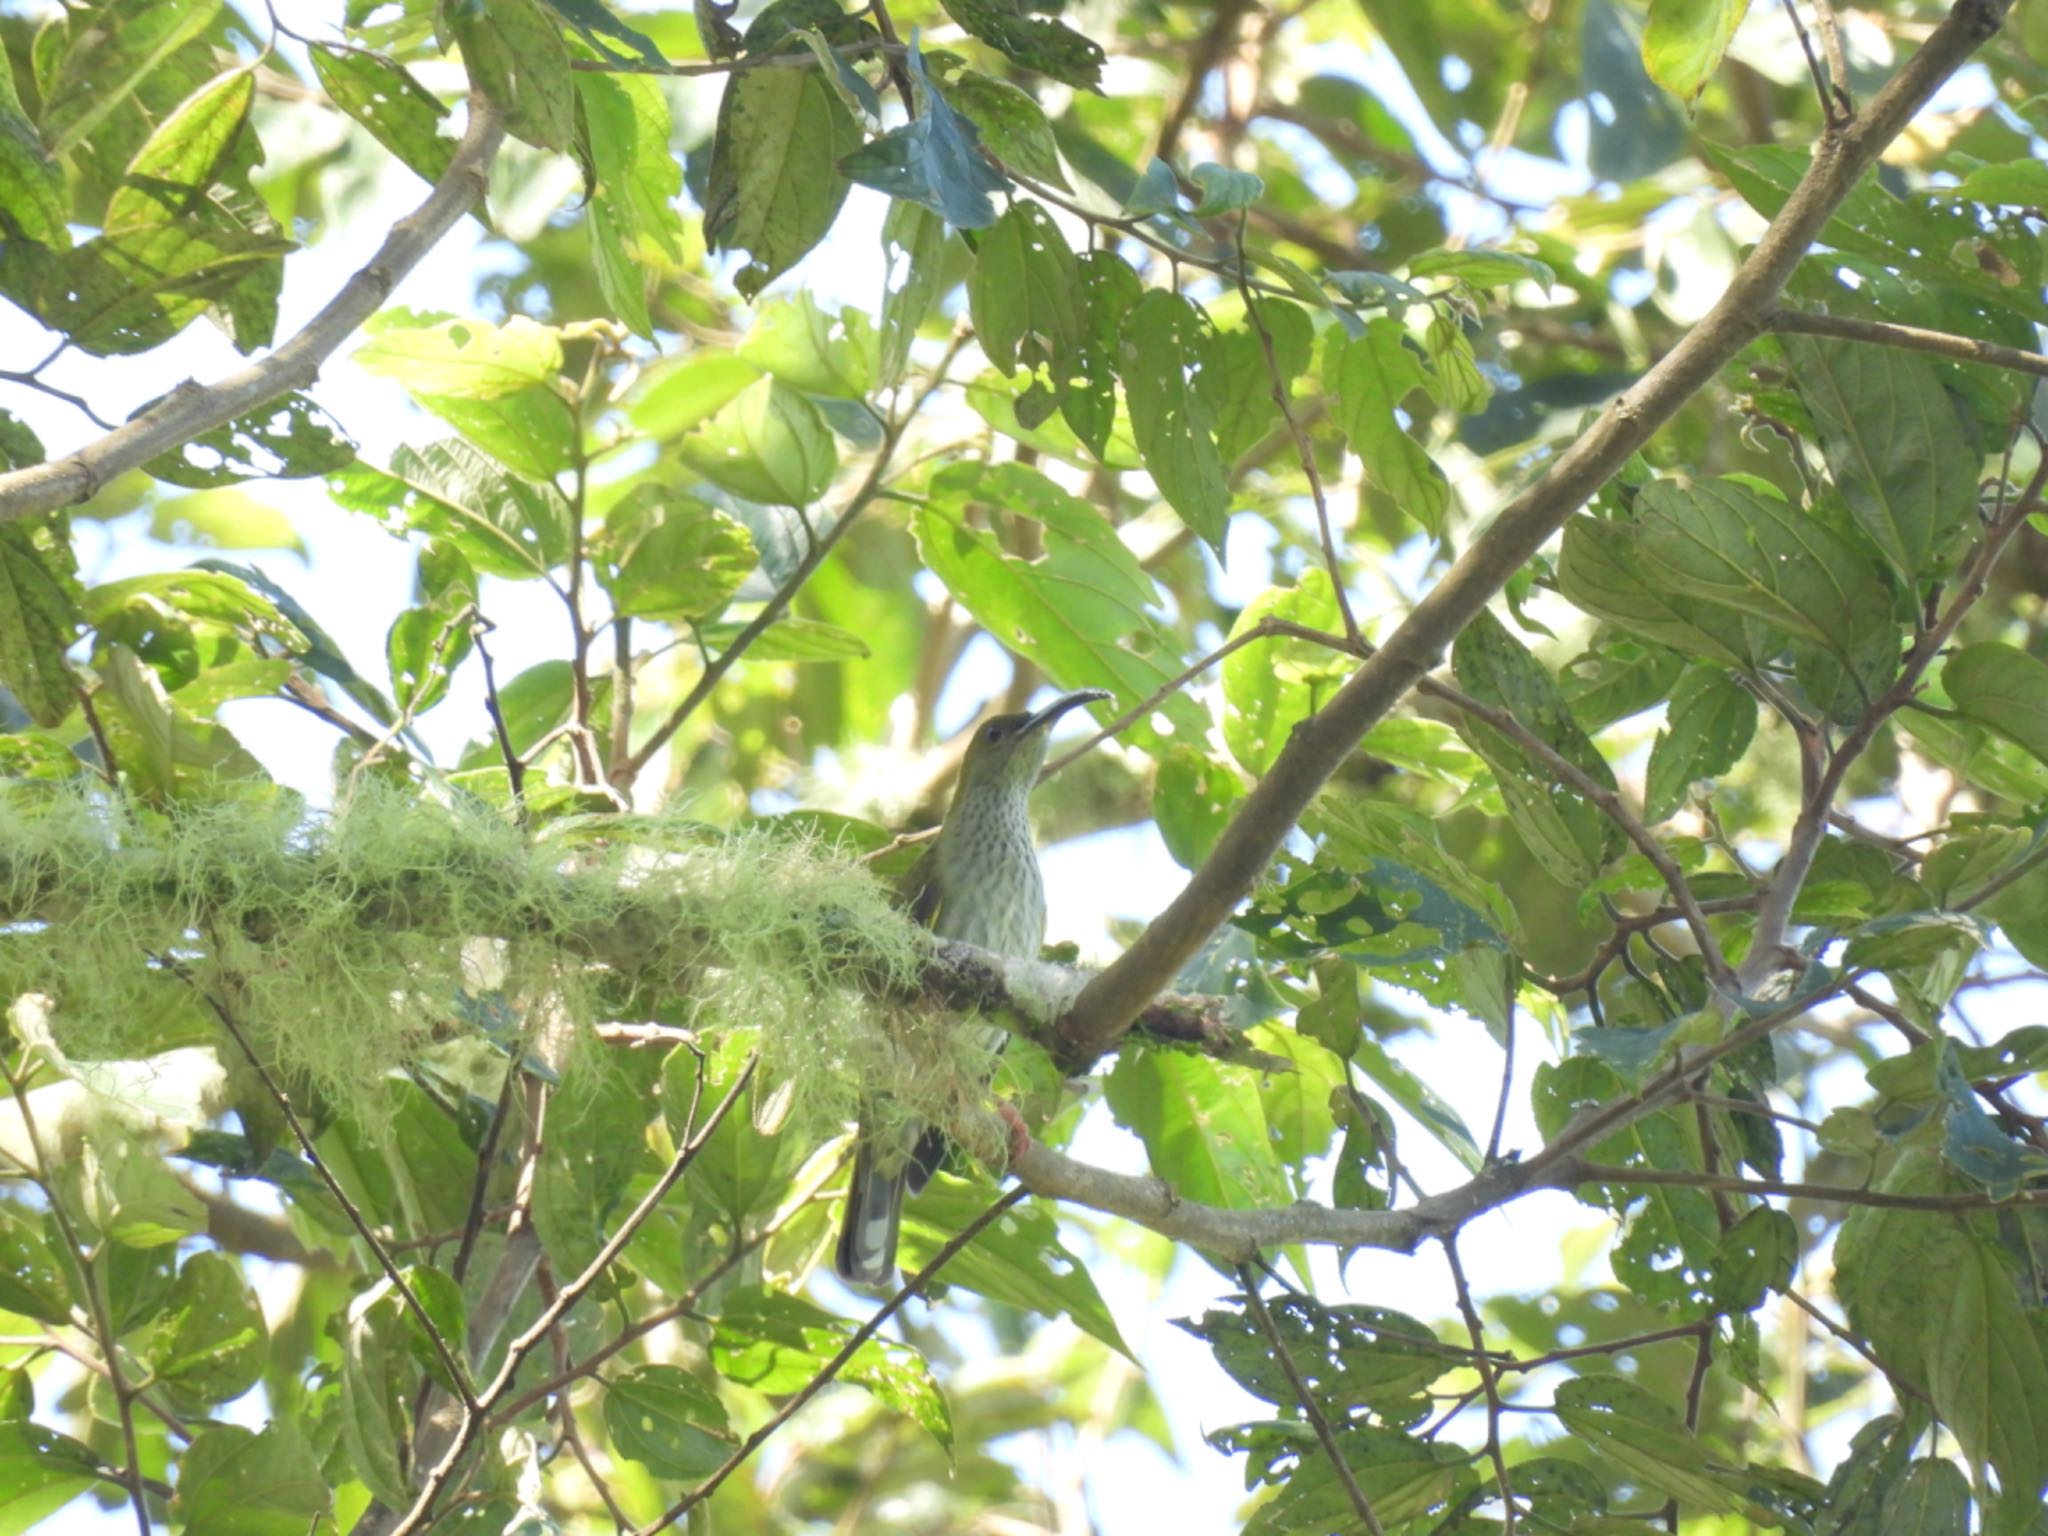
<point>1256,1305</point>
<point>476,1409</point>
<point>1302,450</point>
<point>1489,1381</point>
<point>185,413</point>
<point>449,1358</point>
<point>95,1296</point>
<point>831,1368</point>
<point>1912,338</point>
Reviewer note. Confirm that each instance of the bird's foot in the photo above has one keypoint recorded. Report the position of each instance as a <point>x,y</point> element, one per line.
<point>1020,1134</point>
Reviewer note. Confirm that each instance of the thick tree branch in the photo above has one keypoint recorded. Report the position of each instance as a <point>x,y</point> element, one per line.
<point>1319,744</point>
<point>192,408</point>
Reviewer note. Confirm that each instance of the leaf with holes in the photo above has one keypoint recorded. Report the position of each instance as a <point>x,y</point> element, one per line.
<point>1707,729</point>
<point>1165,351</point>
<point>397,111</point>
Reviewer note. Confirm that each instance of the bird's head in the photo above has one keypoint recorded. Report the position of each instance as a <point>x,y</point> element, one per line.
<point>1007,752</point>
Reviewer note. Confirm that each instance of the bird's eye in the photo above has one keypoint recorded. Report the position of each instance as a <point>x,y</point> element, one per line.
<point>992,732</point>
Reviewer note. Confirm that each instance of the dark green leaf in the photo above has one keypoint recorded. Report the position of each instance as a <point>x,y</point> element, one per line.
<point>669,556</point>
<point>776,1343</point>
<point>1757,1256</point>
<point>913,246</point>
<point>289,439</point>
<point>504,525</point>
<point>668,1420</point>
<point>400,113</point>
<point>39,616</point>
<point>1193,799</point>
<point>1012,125</point>
<point>1367,377</point>
<point>107,56</point>
<point>173,171</point>
<point>234,1483</point>
<point>1643,1435</point>
<point>32,1282</point>
<point>2004,689</point>
<point>934,160</point>
<point>1024,292</point>
<point>1709,727</point>
<point>516,57</point>
<point>1603,571</point>
<point>1036,42</point>
<point>1165,343</point>
<point>1895,446</point>
<point>136,288</point>
<point>777,128</point>
<point>769,444</point>
<point>210,1346</point>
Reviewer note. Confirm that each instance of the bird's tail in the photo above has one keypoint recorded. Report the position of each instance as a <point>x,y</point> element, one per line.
<point>874,1207</point>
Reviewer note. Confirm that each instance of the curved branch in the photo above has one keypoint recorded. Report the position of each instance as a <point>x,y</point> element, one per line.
<point>1912,338</point>
<point>192,409</point>
<point>1108,1004</point>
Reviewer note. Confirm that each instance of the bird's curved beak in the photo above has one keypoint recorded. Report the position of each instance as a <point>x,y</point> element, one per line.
<point>1059,706</point>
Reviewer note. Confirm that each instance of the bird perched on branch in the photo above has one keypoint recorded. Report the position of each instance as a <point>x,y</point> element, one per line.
<point>979,883</point>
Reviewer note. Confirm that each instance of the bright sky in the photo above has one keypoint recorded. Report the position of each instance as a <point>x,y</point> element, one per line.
<point>355,578</point>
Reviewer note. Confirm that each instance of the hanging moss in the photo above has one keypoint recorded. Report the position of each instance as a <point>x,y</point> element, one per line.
<point>344,944</point>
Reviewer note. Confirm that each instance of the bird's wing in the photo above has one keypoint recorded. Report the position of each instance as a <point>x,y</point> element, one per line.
<point>918,889</point>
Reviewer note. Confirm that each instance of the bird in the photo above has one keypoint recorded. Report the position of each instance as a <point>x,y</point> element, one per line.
<point>979,883</point>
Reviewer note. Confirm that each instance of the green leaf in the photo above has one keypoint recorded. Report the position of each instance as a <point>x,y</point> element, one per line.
<point>1024,292</point>
<point>210,1345</point>
<point>1109,291</point>
<point>1271,686</point>
<point>427,642</point>
<point>32,1282</point>
<point>173,171</point>
<point>1710,724</point>
<point>1081,613</point>
<point>1936,1300</point>
<point>668,1420</point>
<point>1367,377</point>
<point>1164,343</point>
<point>678,393</point>
<point>1350,1354</point>
<point>1224,190</point>
<point>1684,41</point>
<point>1932,1499</point>
<point>1012,124</point>
<point>1642,1434</point>
<point>39,616</point>
<point>1239,382</point>
<point>374,1378</point>
<point>107,55</point>
<point>1404,1479</point>
<point>769,444</point>
<point>914,242</point>
<point>1036,42</point>
<point>1758,1255</point>
<point>775,1343</point>
<point>1723,543</point>
<point>1602,570</point>
<point>516,57</point>
<point>40,1472</point>
<point>1193,800</point>
<point>135,288</point>
<point>740,1169</point>
<point>467,359</point>
<point>639,175</point>
<point>505,526</point>
<point>1420,1100</point>
<point>666,555</point>
<point>934,160</point>
<point>777,128</point>
<point>398,112</point>
<point>1895,446</point>
<point>1569,835</point>
<point>1483,269</point>
<point>31,182</point>
<point>2003,689</point>
<point>291,438</point>
<point>234,1483</point>
<point>810,350</point>
<point>1017,1260</point>
<point>593,21</point>
<point>1202,1123</point>
<point>789,639</point>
